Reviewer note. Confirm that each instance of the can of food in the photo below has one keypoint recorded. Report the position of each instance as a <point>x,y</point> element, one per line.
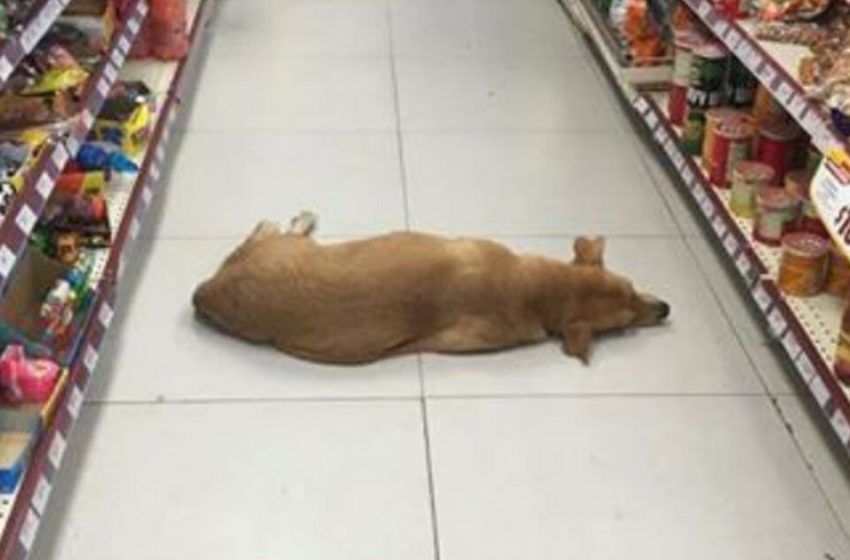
<point>713,117</point>
<point>742,84</point>
<point>683,45</point>
<point>838,274</point>
<point>776,146</point>
<point>677,103</point>
<point>748,177</point>
<point>804,264</point>
<point>766,109</point>
<point>798,184</point>
<point>731,144</point>
<point>776,212</point>
<point>706,89</point>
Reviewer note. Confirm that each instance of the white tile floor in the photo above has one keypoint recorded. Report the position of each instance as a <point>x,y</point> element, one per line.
<point>483,117</point>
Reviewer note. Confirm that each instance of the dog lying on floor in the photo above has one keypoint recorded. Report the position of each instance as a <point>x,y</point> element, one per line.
<point>360,301</point>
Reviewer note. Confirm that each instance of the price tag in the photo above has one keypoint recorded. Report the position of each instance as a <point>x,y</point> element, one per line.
<point>804,367</point>
<point>652,120</point>
<point>743,264</point>
<point>59,157</point>
<point>797,105</point>
<point>147,195</point>
<point>733,38</point>
<point>767,74</point>
<point>792,347</point>
<point>105,315</point>
<point>133,25</point>
<point>88,118</point>
<point>841,427</point>
<point>143,9</point>
<point>785,92</point>
<point>124,45</point>
<point>731,245</point>
<point>830,192</point>
<point>678,160</point>
<point>762,298</point>
<point>90,358</point>
<point>719,226</point>
<point>819,390</point>
<point>707,207</point>
<point>110,72</point>
<point>720,26</point>
<point>56,450</point>
<point>699,196</point>
<point>26,219</point>
<point>743,49</point>
<point>777,322</point>
<point>40,495</point>
<point>29,528</point>
<point>752,60</point>
<point>44,185</point>
<point>688,176</point>
<point>641,105</point>
<point>703,9</point>
<point>134,228</point>
<point>7,260</point>
<point>6,68</point>
<point>103,86</point>
<point>75,402</point>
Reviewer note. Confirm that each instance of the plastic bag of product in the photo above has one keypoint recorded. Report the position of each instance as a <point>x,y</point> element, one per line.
<point>167,28</point>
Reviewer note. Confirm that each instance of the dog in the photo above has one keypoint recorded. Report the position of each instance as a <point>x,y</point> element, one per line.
<point>360,301</point>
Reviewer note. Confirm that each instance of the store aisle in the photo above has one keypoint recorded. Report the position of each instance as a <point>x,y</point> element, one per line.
<point>475,117</point>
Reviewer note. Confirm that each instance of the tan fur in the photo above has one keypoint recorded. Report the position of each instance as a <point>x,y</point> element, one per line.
<point>359,301</point>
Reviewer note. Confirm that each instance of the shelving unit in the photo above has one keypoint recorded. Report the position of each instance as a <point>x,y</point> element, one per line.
<point>807,328</point>
<point>21,512</point>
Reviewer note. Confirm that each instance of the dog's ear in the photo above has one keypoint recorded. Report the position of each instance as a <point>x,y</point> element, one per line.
<point>577,338</point>
<point>588,251</point>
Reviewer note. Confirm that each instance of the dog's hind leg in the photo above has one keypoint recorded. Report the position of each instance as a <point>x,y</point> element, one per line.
<point>303,224</point>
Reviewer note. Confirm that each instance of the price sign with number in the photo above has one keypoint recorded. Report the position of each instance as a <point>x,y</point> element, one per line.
<point>831,196</point>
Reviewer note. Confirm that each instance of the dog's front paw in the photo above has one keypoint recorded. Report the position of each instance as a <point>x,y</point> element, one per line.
<point>577,340</point>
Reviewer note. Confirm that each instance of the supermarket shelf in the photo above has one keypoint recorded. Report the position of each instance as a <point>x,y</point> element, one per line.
<point>23,40</point>
<point>20,527</point>
<point>807,328</point>
<point>774,64</point>
<point>587,14</point>
<point>30,202</point>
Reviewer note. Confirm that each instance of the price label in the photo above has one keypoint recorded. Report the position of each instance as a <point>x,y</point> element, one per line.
<point>103,86</point>
<point>75,402</point>
<point>110,72</point>
<point>87,117</point>
<point>720,26</point>
<point>792,347</point>
<point>699,196</point>
<point>56,450</point>
<point>707,207</point>
<point>805,368</point>
<point>819,391</point>
<point>124,45</point>
<point>767,74</point>
<point>133,25</point>
<point>40,495</point>
<point>777,322</point>
<point>29,528</point>
<point>742,50</point>
<point>641,105</point>
<point>678,160</point>
<point>752,60</point>
<point>703,9</point>
<point>7,260</point>
<point>26,219</point>
<point>59,157</point>
<point>719,226</point>
<point>731,245</point>
<point>688,176</point>
<point>44,185</point>
<point>733,38</point>
<point>841,427</point>
<point>147,195</point>
<point>105,315</point>
<point>830,192</point>
<point>743,264</point>
<point>90,358</point>
<point>652,120</point>
<point>796,106</point>
<point>785,92</point>
<point>762,298</point>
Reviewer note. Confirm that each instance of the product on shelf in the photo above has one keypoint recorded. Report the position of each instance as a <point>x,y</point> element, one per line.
<point>14,450</point>
<point>776,212</point>
<point>748,178</point>
<point>838,274</point>
<point>639,28</point>
<point>164,34</point>
<point>731,142</point>
<point>804,264</point>
<point>26,380</point>
<point>778,145</point>
<point>706,90</point>
<point>126,117</point>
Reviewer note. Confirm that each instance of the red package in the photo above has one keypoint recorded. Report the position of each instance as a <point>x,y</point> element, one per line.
<point>164,34</point>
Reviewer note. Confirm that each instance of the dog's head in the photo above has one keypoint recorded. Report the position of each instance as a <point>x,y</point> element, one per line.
<point>606,301</point>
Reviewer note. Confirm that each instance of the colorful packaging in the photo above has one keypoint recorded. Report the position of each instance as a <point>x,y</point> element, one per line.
<point>777,146</point>
<point>776,212</point>
<point>706,89</point>
<point>748,177</point>
<point>804,264</point>
<point>731,145</point>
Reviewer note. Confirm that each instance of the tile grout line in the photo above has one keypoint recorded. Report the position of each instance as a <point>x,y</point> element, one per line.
<point>397,110</point>
<point>426,435</point>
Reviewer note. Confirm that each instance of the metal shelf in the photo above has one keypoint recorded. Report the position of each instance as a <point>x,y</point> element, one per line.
<point>28,504</point>
<point>774,65</point>
<point>41,178</point>
<point>807,328</point>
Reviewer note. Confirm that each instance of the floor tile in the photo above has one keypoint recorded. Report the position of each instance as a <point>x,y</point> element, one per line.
<point>326,27</point>
<point>627,477</point>
<point>532,183</point>
<point>294,93</point>
<point>696,352</point>
<point>442,28</point>
<point>157,350</point>
<point>322,481</point>
<point>821,451</point>
<point>352,180</point>
<point>500,94</point>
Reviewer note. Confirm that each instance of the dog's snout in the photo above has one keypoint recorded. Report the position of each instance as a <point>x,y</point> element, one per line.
<point>663,310</point>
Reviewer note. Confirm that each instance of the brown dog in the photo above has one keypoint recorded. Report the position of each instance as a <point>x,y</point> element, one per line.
<point>359,301</point>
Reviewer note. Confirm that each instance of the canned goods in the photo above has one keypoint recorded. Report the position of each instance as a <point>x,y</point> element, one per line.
<point>766,109</point>
<point>742,84</point>
<point>714,117</point>
<point>706,89</point>
<point>731,144</point>
<point>677,103</point>
<point>777,146</point>
<point>747,178</point>
<point>684,43</point>
<point>838,274</point>
<point>804,263</point>
<point>798,184</point>
<point>776,212</point>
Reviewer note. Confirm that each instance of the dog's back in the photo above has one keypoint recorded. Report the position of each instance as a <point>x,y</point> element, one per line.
<point>360,300</point>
